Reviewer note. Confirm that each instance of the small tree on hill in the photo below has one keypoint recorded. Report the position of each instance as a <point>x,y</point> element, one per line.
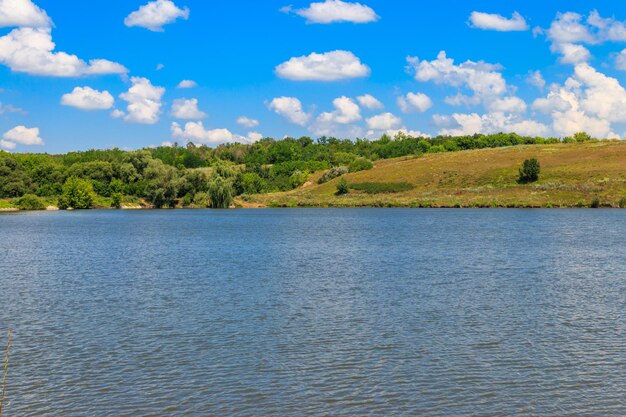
<point>342,187</point>
<point>529,172</point>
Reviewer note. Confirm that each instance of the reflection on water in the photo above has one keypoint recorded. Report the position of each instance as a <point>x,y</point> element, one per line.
<point>315,312</point>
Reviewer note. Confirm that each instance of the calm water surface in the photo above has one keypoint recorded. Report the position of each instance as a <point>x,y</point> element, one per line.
<point>315,312</point>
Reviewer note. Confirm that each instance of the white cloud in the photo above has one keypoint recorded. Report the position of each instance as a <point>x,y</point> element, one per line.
<point>30,50</point>
<point>5,144</point>
<point>195,132</point>
<point>498,22</point>
<point>370,102</point>
<point>569,30</point>
<point>330,123</point>
<point>414,102</point>
<point>620,60</point>
<point>468,124</point>
<point>23,136</point>
<point>187,109</point>
<point>383,122</point>
<point>329,66</point>
<point>331,11</point>
<point>9,108</point>
<point>144,101</point>
<point>407,132</point>
<point>22,13</point>
<point>187,84</point>
<point>159,67</point>
<point>482,79</point>
<point>252,137</point>
<point>588,101</point>
<point>247,122</point>
<point>154,15</point>
<point>117,114</point>
<point>535,78</point>
<point>291,109</point>
<point>509,104</point>
<point>86,98</point>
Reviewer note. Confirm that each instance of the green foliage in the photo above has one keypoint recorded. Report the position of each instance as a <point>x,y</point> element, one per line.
<point>162,184</point>
<point>298,178</point>
<point>252,183</point>
<point>622,203</point>
<point>116,200</point>
<point>529,172</point>
<point>30,202</point>
<point>382,187</point>
<point>14,180</point>
<point>582,137</point>
<point>361,164</point>
<point>342,187</point>
<point>77,194</point>
<point>201,199</point>
<point>332,174</point>
<point>220,193</point>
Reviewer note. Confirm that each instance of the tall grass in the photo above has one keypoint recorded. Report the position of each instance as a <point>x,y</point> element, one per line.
<point>6,370</point>
<point>382,187</point>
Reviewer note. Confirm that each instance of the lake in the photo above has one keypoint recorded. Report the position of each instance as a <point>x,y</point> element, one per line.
<point>315,312</point>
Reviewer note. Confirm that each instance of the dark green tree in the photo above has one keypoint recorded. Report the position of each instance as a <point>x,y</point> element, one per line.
<point>529,172</point>
<point>77,194</point>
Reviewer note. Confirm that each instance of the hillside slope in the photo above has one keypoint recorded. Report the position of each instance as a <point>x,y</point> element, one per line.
<point>571,175</point>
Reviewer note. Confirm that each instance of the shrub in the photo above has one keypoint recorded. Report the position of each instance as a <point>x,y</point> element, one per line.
<point>116,200</point>
<point>361,164</point>
<point>622,203</point>
<point>298,178</point>
<point>342,187</point>
<point>381,187</point>
<point>595,203</point>
<point>77,194</point>
<point>529,172</point>
<point>332,174</point>
<point>30,202</point>
<point>201,199</point>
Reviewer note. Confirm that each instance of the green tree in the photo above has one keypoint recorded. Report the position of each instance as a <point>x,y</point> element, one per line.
<point>529,172</point>
<point>220,193</point>
<point>30,202</point>
<point>14,180</point>
<point>77,194</point>
<point>342,187</point>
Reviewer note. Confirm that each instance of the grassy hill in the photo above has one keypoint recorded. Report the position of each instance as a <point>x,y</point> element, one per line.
<point>572,175</point>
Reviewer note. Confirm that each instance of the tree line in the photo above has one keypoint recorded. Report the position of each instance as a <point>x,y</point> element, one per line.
<point>201,176</point>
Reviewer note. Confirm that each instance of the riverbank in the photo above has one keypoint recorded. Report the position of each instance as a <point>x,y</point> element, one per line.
<point>572,175</point>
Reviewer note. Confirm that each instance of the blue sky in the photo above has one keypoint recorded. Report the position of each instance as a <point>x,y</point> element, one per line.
<point>549,68</point>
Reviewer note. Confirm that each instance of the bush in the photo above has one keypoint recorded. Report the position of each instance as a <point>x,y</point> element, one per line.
<point>529,172</point>
<point>595,203</point>
<point>382,187</point>
<point>116,200</point>
<point>332,174</point>
<point>622,203</point>
<point>342,187</point>
<point>201,199</point>
<point>30,202</point>
<point>361,164</point>
<point>298,178</point>
<point>77,194</point>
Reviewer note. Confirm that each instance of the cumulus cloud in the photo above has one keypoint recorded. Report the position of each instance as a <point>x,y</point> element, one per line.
<point>21,135</point>
<point>370,102</point>
<point>332,11</point>
<point>187,84</point>
<point>31,50</point>
<point>588,101</point>
<point>196,132</point>
<point>183,108</point>
<point>346,112</point>
<point>329,66</point>
<point>154,15</point>
<point>460,124</point>
<point>144,101</point>
<point>498,22</point>
<point>291,109</point>
<point>22,13</point>
<point>569,31</point>
<point>8,145</point>
<point>535,78</point>
<point>509,104</point>
<point>482,79</point>
<point>414,102</point>
<point>383,122</point>
<point>86,98</point>
<point>247,122</point>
